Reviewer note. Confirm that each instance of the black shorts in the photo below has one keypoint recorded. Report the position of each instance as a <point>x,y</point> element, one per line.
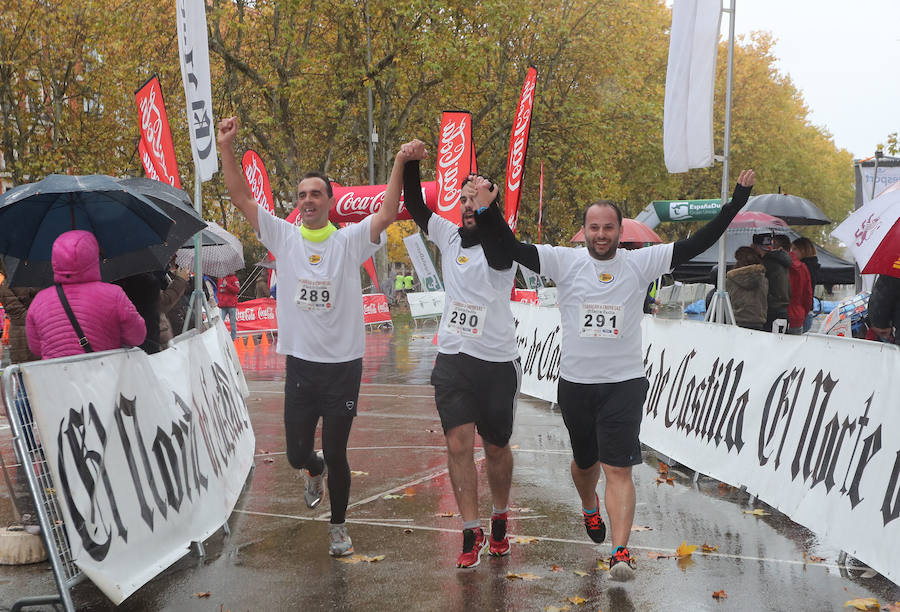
<point>320,388</point>
<point>604,420</point>
<point>471,390</point>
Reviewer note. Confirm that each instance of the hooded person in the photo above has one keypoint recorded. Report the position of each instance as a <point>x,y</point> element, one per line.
<point>777,264</point>
<point>748,289</point>
<point>104,313</point>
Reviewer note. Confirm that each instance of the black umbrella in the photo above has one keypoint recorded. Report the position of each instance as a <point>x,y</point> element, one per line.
<point>793,209</point>
<point>124,221</point>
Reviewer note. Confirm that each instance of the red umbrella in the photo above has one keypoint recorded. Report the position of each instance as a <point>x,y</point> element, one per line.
<point>756,220</point>
<point>632,231</point>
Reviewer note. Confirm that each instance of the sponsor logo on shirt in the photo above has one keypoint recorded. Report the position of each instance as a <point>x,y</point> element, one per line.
<point>462,259</point>
<point>315,260</point>
<point>606,277</point>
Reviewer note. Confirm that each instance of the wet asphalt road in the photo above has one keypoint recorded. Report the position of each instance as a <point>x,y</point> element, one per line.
<point>276,555</point>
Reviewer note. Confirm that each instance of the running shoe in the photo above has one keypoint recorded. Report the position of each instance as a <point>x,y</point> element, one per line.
<point>474,543</point>
<point>621,564</point>
<point>499,544</point>
<point>593,523</point>
<point>341,545</point>
<point>315,485</point>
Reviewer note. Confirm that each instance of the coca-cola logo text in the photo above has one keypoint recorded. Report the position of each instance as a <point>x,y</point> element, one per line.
<point>520,137</point>
<point>452,147</point>
<point>152,128</point>
<point>255,179</point>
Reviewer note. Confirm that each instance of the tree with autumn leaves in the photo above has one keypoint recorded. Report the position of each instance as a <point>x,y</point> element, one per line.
<point>297,73</point>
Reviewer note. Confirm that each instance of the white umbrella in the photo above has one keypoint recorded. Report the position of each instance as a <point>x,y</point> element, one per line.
<point>218,259</point>
<point>872,234</point>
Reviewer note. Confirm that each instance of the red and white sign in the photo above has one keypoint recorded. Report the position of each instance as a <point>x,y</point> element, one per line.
<point>147,161</point>
<point>375,308</point>
<point>156,137</point>
<point>353,204</point>
<point>455,160</point>
<point>256,316</point>
<point>526,296</point>
<point>258,179</point>
<point>518,147</point>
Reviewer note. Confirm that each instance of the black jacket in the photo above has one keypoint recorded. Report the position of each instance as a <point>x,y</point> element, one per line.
<point>884,303</point>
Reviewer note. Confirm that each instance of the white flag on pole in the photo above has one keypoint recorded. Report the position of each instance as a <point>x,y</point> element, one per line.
<point>193,49</point>
<point>690,81</point>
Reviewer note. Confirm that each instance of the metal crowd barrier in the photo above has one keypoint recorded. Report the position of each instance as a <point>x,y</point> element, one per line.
<point>27,444</point>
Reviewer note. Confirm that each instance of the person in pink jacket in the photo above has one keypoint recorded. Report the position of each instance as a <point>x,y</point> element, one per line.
<point>107,317</point>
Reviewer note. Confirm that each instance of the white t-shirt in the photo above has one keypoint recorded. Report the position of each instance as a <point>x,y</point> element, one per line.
<point>319,299</point>
<point>601,307</point>
<point>477,319</point>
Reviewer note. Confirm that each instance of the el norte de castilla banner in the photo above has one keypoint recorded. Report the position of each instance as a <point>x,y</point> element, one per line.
<point>809,424</point>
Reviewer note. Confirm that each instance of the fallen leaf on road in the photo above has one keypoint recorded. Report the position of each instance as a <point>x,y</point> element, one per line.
<point>720,595</point>
<point>575,599</point>
<point>358,473</point>
<point>557,608</point>
<point>893,607</point>
<point>663,468</point>
<point>685,550</point>
<point>757,512</point>
<point>206,594</point>
<point>863,603</point>
<point>360,559</point>
<point>580,573</point>
<point>407,530</point>
<point>521,510</point>
<point>431,430</point>
<point>446,514</point>
<point>708,549</point>
<point>641,528</point>
<point>514,446</point>
<point>262,452</point>
<point>268,460</point>
<point>602,565</point>
<point>392,496</point>
<point>512,576</point>
<point>524,540</point>
<point>813,558</point>
<point>556,568</point>
<point>658,555</point>
<point>669,480</point>
<point>409,491</point>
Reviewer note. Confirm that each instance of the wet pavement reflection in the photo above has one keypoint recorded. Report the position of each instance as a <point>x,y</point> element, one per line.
<point>402,507</point>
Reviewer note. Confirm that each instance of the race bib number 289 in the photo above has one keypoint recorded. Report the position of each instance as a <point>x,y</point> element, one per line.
<point>315,295</point>
<point>601,321</point>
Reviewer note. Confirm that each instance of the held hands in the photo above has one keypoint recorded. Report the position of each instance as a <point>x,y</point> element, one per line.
<point>747,178</point>
<point>412,151</point>
<point>226,132</point>
<point>485,191</point>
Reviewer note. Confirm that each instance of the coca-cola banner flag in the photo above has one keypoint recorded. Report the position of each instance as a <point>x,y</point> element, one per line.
<point>193,49</point>
<point>455,160</point>
<point>518,147</point>
<point>353,204</point>
<point>147,161</point>
<point>258,179</point>
<point>156,137</point>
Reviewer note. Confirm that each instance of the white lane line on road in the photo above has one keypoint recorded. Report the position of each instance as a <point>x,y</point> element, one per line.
<point>381,523</point>
<point>368,448</point>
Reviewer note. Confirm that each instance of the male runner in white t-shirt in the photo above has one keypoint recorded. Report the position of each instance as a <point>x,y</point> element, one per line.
<point>320,322</point>
<point>477,372</point>
<point>602,384</point>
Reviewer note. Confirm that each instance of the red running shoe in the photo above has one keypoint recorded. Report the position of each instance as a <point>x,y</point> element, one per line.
<point>499,545</point>
<point>593,523</point>
<point>621,564</point>
<point>474,543</point>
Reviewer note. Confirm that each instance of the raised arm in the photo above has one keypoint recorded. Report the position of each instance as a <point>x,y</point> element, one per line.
<point>235,183</point>
<point>688,248</point>
<point>413,150</point>
<point>498,241</point>
<point>412,195</point>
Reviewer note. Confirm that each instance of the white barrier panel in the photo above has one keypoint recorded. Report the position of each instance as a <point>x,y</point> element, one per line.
<point>808,424</point>
<point>147,453</point>
<point>425,304</point>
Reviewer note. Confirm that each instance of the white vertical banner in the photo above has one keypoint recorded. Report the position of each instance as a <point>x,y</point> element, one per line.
<point>421,261</point>
<point>532,279</point>
<point>193,50</point>
<point>690,82</point>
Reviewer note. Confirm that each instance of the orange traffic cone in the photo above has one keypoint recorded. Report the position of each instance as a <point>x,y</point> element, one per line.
<point>239,344</point>
<point>264,341</point>
<point>250,342</point>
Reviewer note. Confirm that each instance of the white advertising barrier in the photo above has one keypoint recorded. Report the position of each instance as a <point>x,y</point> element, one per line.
<point>808,424</point>
<point>426,304</point>
<point>421,260</point>
<point>147,452</point>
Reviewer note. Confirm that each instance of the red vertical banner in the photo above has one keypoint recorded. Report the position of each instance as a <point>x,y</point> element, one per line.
<point>258,179</point>
<point>518,147</point>
<point>147,161</point>
<point>156,137</point>
<point>455,159</point>
<point>540,202</point>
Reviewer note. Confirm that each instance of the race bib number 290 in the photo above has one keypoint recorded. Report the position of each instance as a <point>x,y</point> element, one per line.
<point>314,295</point>
<point>601,321</point>
<point>466,319</point>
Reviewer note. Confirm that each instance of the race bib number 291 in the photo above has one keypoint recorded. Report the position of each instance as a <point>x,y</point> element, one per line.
<point>315,295</point>
<point>601,321</point>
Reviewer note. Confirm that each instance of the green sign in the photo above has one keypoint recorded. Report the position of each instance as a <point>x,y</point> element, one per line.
<point>686,210</point>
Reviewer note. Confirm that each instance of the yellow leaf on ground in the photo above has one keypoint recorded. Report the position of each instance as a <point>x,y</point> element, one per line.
<point>446,514</point>
<point>685,550</point>
<point>575,599</point>
<point>557,608</point>
<point>206,594</point>
<point>580,573</point>
<point>512,576</point>
<point>708,548</point>
<point>358,473</point>
<point>720,595</point>
<point>524,540</point>
<point>602,565</point>
<point>641,528</point>
<point>361,559</point>
<point>757,512</point>
<point>863,603</point>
